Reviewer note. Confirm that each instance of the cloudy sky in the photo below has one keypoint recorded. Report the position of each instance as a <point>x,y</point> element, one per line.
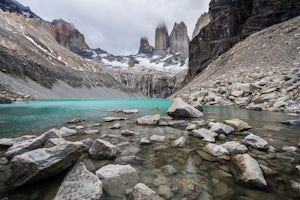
<point>117,25</point>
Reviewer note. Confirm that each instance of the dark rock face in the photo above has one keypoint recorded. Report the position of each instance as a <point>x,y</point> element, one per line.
<point>68,36</point>
<point>179,40</point>
<point>203,20</point>
<point>145,47</point>
<point>162,40</point>
<point>14,6</point>
<point>231,22</point>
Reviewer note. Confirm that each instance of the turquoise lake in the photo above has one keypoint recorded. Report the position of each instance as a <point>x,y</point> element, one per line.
<point>39,115</point>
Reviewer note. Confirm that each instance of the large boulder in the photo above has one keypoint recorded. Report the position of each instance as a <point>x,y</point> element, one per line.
<point>246,170</point>
<point>27,145</point>
<point>148,120</point>
<point>66,132</point>
<point>117,179</point>
<point>183,110</point>
<point>143,192</point>
<point>43,163</point>
<point>235,147</point>
<point>238,124</point>
<point>80,184</point>
<point>102,149</point>
<point>256,142</point>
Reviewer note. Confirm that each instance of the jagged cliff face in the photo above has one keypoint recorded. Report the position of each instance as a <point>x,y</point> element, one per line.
<point>203,20</point>
<point>231,21</point>
<point>179,40</point>
<point>145,47</point>
<point>162,40</point>
<point>67,35</point>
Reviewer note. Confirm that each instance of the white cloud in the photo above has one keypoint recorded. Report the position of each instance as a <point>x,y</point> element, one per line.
<point>117,25</point>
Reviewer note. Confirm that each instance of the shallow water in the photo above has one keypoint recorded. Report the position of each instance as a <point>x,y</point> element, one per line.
<point>191,163</point>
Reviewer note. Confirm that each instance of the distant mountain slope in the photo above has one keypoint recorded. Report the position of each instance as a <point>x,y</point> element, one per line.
<point>261,72</point>
<point>48,63</point>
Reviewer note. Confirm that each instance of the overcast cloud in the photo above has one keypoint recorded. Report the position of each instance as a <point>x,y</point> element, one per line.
<point>117,25</point>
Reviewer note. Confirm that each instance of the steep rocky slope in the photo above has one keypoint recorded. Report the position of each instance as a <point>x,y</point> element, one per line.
<point>202,21</point>
<point>16,7</point>
<point>262,72</point>
<point>34,64</point>
<point>231,22</point>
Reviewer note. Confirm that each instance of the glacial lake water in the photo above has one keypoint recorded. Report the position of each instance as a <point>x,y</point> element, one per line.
<point>190,162</point>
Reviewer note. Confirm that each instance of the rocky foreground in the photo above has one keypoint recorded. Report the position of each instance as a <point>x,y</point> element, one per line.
<point>179,157</point>
<point>260,73</point>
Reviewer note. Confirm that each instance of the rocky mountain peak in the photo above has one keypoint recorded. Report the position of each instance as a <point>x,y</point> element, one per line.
<point>162,39</point>
<point>15,7</point>
<point>67,35</point>
<point>145,47</point>
<point>179,40</point>
<point>203,20</point>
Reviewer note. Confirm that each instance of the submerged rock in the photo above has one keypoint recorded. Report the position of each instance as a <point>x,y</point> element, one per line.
<point>145,141</point>
<point>246,170</point>
<point>43,163</point>
<point>148,120</point>
<point>215,150</point>
<point>178,123</point>
<point>102,149</point>
<point>111,119</point>
<point>80,184</point>
<point>157,138</point>
<point>27,145</point>
<point>180,142</point>
<point>132,111</point>
<point>256,142</point>
<point>127,133</point>
<point>117,179</point>
<point>183,110</point>
<point>89,132</point>
<point>143,192</point>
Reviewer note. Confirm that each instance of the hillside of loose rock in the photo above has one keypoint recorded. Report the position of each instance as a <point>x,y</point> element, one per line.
<point>262,73</point>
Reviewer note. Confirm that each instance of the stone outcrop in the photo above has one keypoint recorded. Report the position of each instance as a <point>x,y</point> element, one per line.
<point>145,47</point>
<point>79,184</point>
<point>181,109</point>
<point>203,20</point>
<point>16,7</point>
<point>43,163</point>
<point>179,40</point>
<point>67,35</point>
<point>117,179</point>
<point>231,22</point>
<point>247,171</point>
<point>162,40</point>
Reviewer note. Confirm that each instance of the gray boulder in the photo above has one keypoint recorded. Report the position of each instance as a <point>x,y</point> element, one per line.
<point>102,149</point>
<point>221,128</point>
<point>117,179</point>
<point>80,184</point>
<point>178,123</point>
<point>27,145</point>
<point>181,109</point>
<point>246,170</point>
<point>215,150</point>
<point>43,163</point>
<point>127,133</point>
<point>255,142</point>
<point>206,135</point>
<point>234,147</point>
<point>53,142</point>
<point>65,132</point>
<point>8,142</point>
<point>180,142</point>
<point>89,132</point>
<point>143,192</point>
<point>148,120</point>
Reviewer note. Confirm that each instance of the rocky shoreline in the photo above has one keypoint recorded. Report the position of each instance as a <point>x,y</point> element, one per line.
<point>129,156</point>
